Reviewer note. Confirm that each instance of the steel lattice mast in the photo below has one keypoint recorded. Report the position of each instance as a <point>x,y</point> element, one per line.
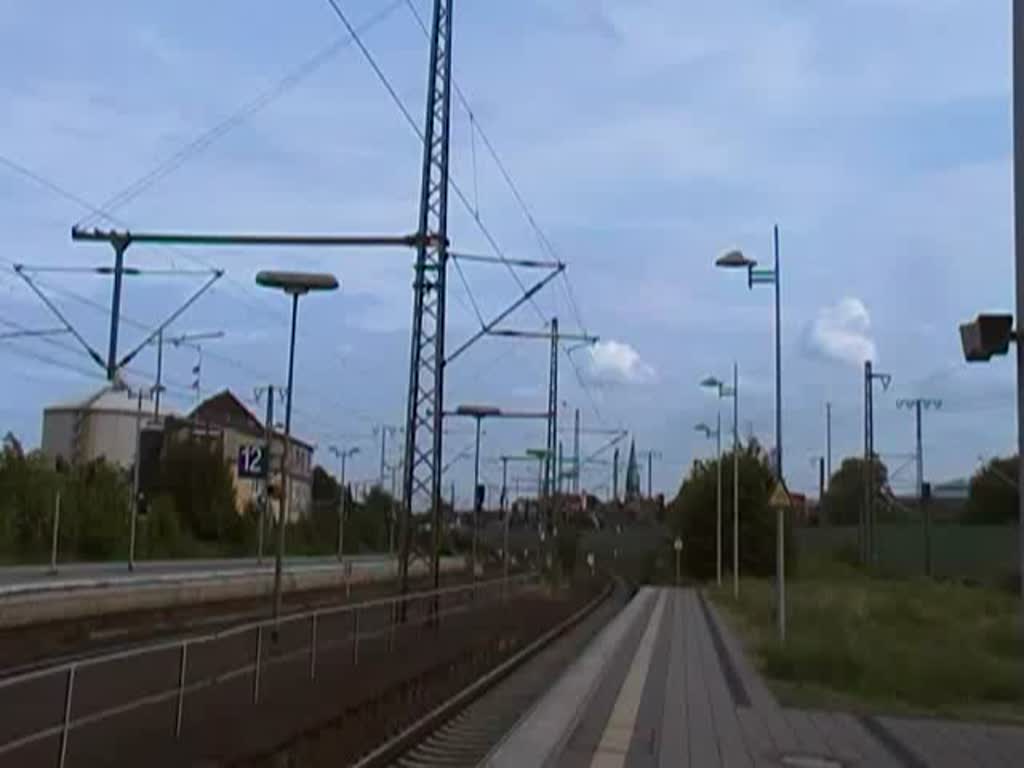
<point>425,408</point>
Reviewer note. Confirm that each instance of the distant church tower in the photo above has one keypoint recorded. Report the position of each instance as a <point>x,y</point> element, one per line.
<point>632,474</point>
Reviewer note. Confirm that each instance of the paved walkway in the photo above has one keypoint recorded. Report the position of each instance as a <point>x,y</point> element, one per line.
<point>667,684</point>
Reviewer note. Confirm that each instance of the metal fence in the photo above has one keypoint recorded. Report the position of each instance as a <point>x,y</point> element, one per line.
<point>983,553</point>
<point>295,636</point>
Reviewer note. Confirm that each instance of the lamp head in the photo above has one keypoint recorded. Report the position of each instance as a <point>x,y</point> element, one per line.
<point>297,283</point>
<point>734,259</point>
<point>478,411</point>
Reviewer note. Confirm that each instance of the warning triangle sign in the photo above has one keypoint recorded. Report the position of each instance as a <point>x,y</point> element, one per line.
<point>779,498</point>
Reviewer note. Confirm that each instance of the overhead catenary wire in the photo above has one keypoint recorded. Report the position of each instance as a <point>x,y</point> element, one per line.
<point>48,184</point>
<point>543,240</point>
<point>85,301</point>
<point>100,213</point>
<point>210,354</point>
<point>455,187</point>
<point>236,118</point>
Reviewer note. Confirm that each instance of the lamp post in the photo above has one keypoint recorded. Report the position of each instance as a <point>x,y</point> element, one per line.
<point>717,432</point>
<point>734,392</point>
<point>294,284</point>
<point>479,413</point>
<point>735,259</point>
<point>342,454</point>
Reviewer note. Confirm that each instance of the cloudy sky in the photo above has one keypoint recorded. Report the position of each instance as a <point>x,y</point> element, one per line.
<point>645,137</point>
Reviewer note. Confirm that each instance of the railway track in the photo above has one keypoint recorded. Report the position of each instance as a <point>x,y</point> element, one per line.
<point>464,730</point>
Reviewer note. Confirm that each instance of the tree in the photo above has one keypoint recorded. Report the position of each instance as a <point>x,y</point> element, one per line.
<point>993,497</point>
<point>96,510</point>
<point>27,488</point>
<point>325,514</point>
<point>692,515</point>
<point>844,499</point>
<point>368,522</point>
<point>195,475</point>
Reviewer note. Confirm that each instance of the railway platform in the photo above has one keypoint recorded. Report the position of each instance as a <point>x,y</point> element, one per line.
<point>667,683</point>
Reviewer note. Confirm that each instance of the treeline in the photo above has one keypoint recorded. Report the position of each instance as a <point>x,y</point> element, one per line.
<point>992,497</point>
<point>190,512</point>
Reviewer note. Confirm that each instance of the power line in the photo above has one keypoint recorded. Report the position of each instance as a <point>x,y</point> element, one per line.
<point>51,186</point>
<point>471,209</point>
<point>543,240</point>
<point>208,137</point>
<point>237,364</point>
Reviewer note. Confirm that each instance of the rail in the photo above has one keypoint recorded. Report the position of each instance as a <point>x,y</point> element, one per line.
<point>417,608</point>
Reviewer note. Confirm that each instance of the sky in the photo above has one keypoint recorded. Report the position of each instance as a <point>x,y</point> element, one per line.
<point>644,137</point>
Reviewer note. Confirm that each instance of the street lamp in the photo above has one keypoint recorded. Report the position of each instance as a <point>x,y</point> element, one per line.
<point>734,392</point>
<point>294,284</point>
<point>717,434</point>
<point>735,259</point>
<point>478,413</point>
<point>342,454</point>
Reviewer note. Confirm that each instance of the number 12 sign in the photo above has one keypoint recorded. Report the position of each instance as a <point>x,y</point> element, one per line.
<point>250,461</point>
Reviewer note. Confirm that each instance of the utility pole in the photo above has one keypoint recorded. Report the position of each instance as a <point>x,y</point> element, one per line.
<point>650,475</point>
<point>735,481</point>
<point>135,483</point>
<point>1017,23</point>
<point>651,455</point>
<point>917,405</point>
<point>268,447</point>
<point>552,441</point>
<point>867,522</point>
<point>576,453</point>
<point>384,430</point>
<point>176,341</point>
<point>393,513</point>
<point>828,442</point>
<point>505,515</point>
<point>821,487</point>
<point>561,469</point>
<point>615,476</point>
<point>115,306</point>
<point>159,373</point>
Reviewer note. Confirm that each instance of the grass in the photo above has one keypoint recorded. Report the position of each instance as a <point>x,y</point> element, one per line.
<point>902,646</point>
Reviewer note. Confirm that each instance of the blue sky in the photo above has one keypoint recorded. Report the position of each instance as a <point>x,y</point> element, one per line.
<point>646,136</point>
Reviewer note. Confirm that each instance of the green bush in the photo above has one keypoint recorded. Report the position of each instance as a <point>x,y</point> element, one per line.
<point>693,516</point>
<point>163,536</point>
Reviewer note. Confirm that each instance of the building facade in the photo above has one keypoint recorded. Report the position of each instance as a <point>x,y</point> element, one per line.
<point>235,428</point>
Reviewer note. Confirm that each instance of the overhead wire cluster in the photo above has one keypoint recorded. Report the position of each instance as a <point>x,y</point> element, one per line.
<point>237,117</point>
<point>473,208</point>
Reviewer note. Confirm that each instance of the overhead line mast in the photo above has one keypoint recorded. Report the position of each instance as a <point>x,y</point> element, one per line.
<point>425,408</point>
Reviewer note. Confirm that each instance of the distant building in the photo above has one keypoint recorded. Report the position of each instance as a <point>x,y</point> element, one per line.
<point>100,426</point>
<point>104,425</point>
<point>225,418</point>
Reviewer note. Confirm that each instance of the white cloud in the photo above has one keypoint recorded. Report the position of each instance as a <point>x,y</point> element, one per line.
<point>842,332</point>
<point>615,362</point>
